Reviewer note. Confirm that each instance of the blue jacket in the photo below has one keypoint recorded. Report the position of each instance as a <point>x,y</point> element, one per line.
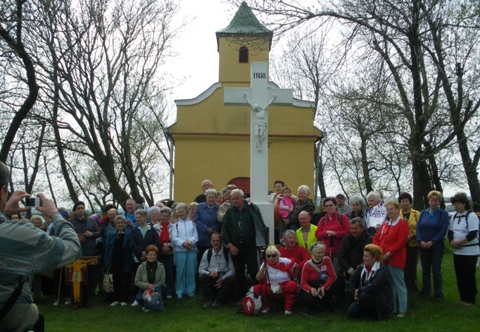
<point>205,218</point>
<point>432,226</point>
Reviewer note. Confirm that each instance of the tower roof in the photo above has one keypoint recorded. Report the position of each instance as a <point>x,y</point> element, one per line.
<point>244,22</point>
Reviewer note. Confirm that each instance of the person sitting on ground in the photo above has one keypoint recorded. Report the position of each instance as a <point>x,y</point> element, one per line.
<point>150,277</point>
<point>318,275</point>
<point>369,287</point>
<point>216,274</point>
<point>350,255</point>
<point>276,277</point>
<point>292,250</point>
<point>306,232</point>
<point>206,184</point>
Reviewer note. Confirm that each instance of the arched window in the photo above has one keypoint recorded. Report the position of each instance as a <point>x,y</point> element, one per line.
<point>243,55</point>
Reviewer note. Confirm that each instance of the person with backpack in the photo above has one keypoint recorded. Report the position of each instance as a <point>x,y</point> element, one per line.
<point>216,274</point>
<point>463,237</point>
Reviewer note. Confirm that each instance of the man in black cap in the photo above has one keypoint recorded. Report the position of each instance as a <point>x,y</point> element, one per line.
<point>87,231</point>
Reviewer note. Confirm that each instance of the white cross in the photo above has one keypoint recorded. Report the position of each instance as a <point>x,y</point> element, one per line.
<point>259,97</point>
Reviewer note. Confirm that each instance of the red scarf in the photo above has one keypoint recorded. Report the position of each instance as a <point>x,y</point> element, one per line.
<point>282,266</point>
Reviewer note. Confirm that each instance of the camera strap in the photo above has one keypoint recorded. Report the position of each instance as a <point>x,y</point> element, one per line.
<point>12,299</point>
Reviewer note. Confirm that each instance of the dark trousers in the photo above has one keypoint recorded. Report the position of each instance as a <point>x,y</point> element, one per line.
<point>211,293</point>
<point>365,306</point>
<point>465,269</point>
<point>432,263</point>
<point>247,255</point>
<point>169,265</point>
<point>310,302</point>
<point>410,273</point>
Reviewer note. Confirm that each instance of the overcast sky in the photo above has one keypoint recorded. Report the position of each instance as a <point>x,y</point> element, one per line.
<point>196,45</point>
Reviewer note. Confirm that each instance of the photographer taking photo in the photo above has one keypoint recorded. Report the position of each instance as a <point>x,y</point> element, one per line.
<point>26,250</point>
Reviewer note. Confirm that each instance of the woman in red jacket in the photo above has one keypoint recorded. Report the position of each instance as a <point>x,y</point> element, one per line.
<point>317,277</point>
<point>392,238</point>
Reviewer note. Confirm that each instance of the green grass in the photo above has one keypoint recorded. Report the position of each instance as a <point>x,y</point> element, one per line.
<point>188,315</point>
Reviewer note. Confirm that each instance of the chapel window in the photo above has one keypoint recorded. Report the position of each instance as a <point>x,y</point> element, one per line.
<point>243,55</point>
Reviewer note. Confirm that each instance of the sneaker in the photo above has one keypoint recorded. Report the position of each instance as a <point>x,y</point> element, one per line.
<point>169,297</point>
<point>68,301</point>
<point>467,304</point>
<point>135,303</point>
<point>288,312</point>
<point>216,304</point>
<point>401,314</point>
<point>207,304</point>
<point>264,311</point>
<point>123,304</point>
<point>55,303</point>
<point>114,303</point>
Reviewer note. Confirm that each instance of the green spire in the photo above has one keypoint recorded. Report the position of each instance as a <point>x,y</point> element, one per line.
<point>244,22</point>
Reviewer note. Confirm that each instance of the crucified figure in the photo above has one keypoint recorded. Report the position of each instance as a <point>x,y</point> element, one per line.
<point>261,125</point>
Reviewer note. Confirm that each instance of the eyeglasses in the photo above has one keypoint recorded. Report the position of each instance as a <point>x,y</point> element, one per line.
<point>271,256</point>
<point>329,205</point>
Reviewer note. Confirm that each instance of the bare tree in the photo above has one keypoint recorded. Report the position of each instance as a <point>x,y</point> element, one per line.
<point>11,33</point>
<point>104,59</point>
<point>416,42</point>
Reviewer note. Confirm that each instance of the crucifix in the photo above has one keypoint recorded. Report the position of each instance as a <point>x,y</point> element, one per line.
<point>259,97</point>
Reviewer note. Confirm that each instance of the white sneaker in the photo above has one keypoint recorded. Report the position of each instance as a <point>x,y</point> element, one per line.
<point>55,303</point>
<point>68,301</point>
<point>288,312</point>
<point>135,303</point>
<point>264,311</point>
<point>114,303</point>
<point>123,304</point>
<point>169,297</point>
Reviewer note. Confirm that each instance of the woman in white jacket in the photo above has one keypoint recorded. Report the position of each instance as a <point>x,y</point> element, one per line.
<point>184,237</point>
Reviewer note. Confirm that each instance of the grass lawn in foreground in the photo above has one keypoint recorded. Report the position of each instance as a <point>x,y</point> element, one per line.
<point>187,315</point>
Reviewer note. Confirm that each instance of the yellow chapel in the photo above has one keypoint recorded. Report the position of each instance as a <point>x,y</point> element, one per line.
<point>212,141</point>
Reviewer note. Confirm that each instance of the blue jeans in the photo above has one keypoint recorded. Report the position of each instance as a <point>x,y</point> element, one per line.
<point>431,260</point>
<point>139,296</point>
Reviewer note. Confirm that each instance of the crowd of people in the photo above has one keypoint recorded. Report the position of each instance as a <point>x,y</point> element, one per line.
<point>365,254</point>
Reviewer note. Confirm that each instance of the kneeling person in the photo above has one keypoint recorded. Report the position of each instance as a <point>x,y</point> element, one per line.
<point>216,273</point>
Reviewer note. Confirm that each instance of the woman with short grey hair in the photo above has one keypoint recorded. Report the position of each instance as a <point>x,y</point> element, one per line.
<point>358,206</point>
<point>304,203</point>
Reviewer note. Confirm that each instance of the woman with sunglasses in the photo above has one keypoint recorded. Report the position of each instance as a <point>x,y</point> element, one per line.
<point>276,280</point>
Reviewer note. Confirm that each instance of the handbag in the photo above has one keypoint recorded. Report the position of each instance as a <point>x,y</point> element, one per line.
<point>108,282</point>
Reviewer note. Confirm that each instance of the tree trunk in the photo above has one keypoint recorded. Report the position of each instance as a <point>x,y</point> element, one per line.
<point>470,170</point>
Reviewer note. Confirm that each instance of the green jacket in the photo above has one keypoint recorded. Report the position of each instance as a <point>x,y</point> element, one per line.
<point>141,279</point>
<point>228,226</point>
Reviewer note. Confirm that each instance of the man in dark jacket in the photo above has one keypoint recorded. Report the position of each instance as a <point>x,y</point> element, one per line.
<point>243,231</point>
<point>351,248</point>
